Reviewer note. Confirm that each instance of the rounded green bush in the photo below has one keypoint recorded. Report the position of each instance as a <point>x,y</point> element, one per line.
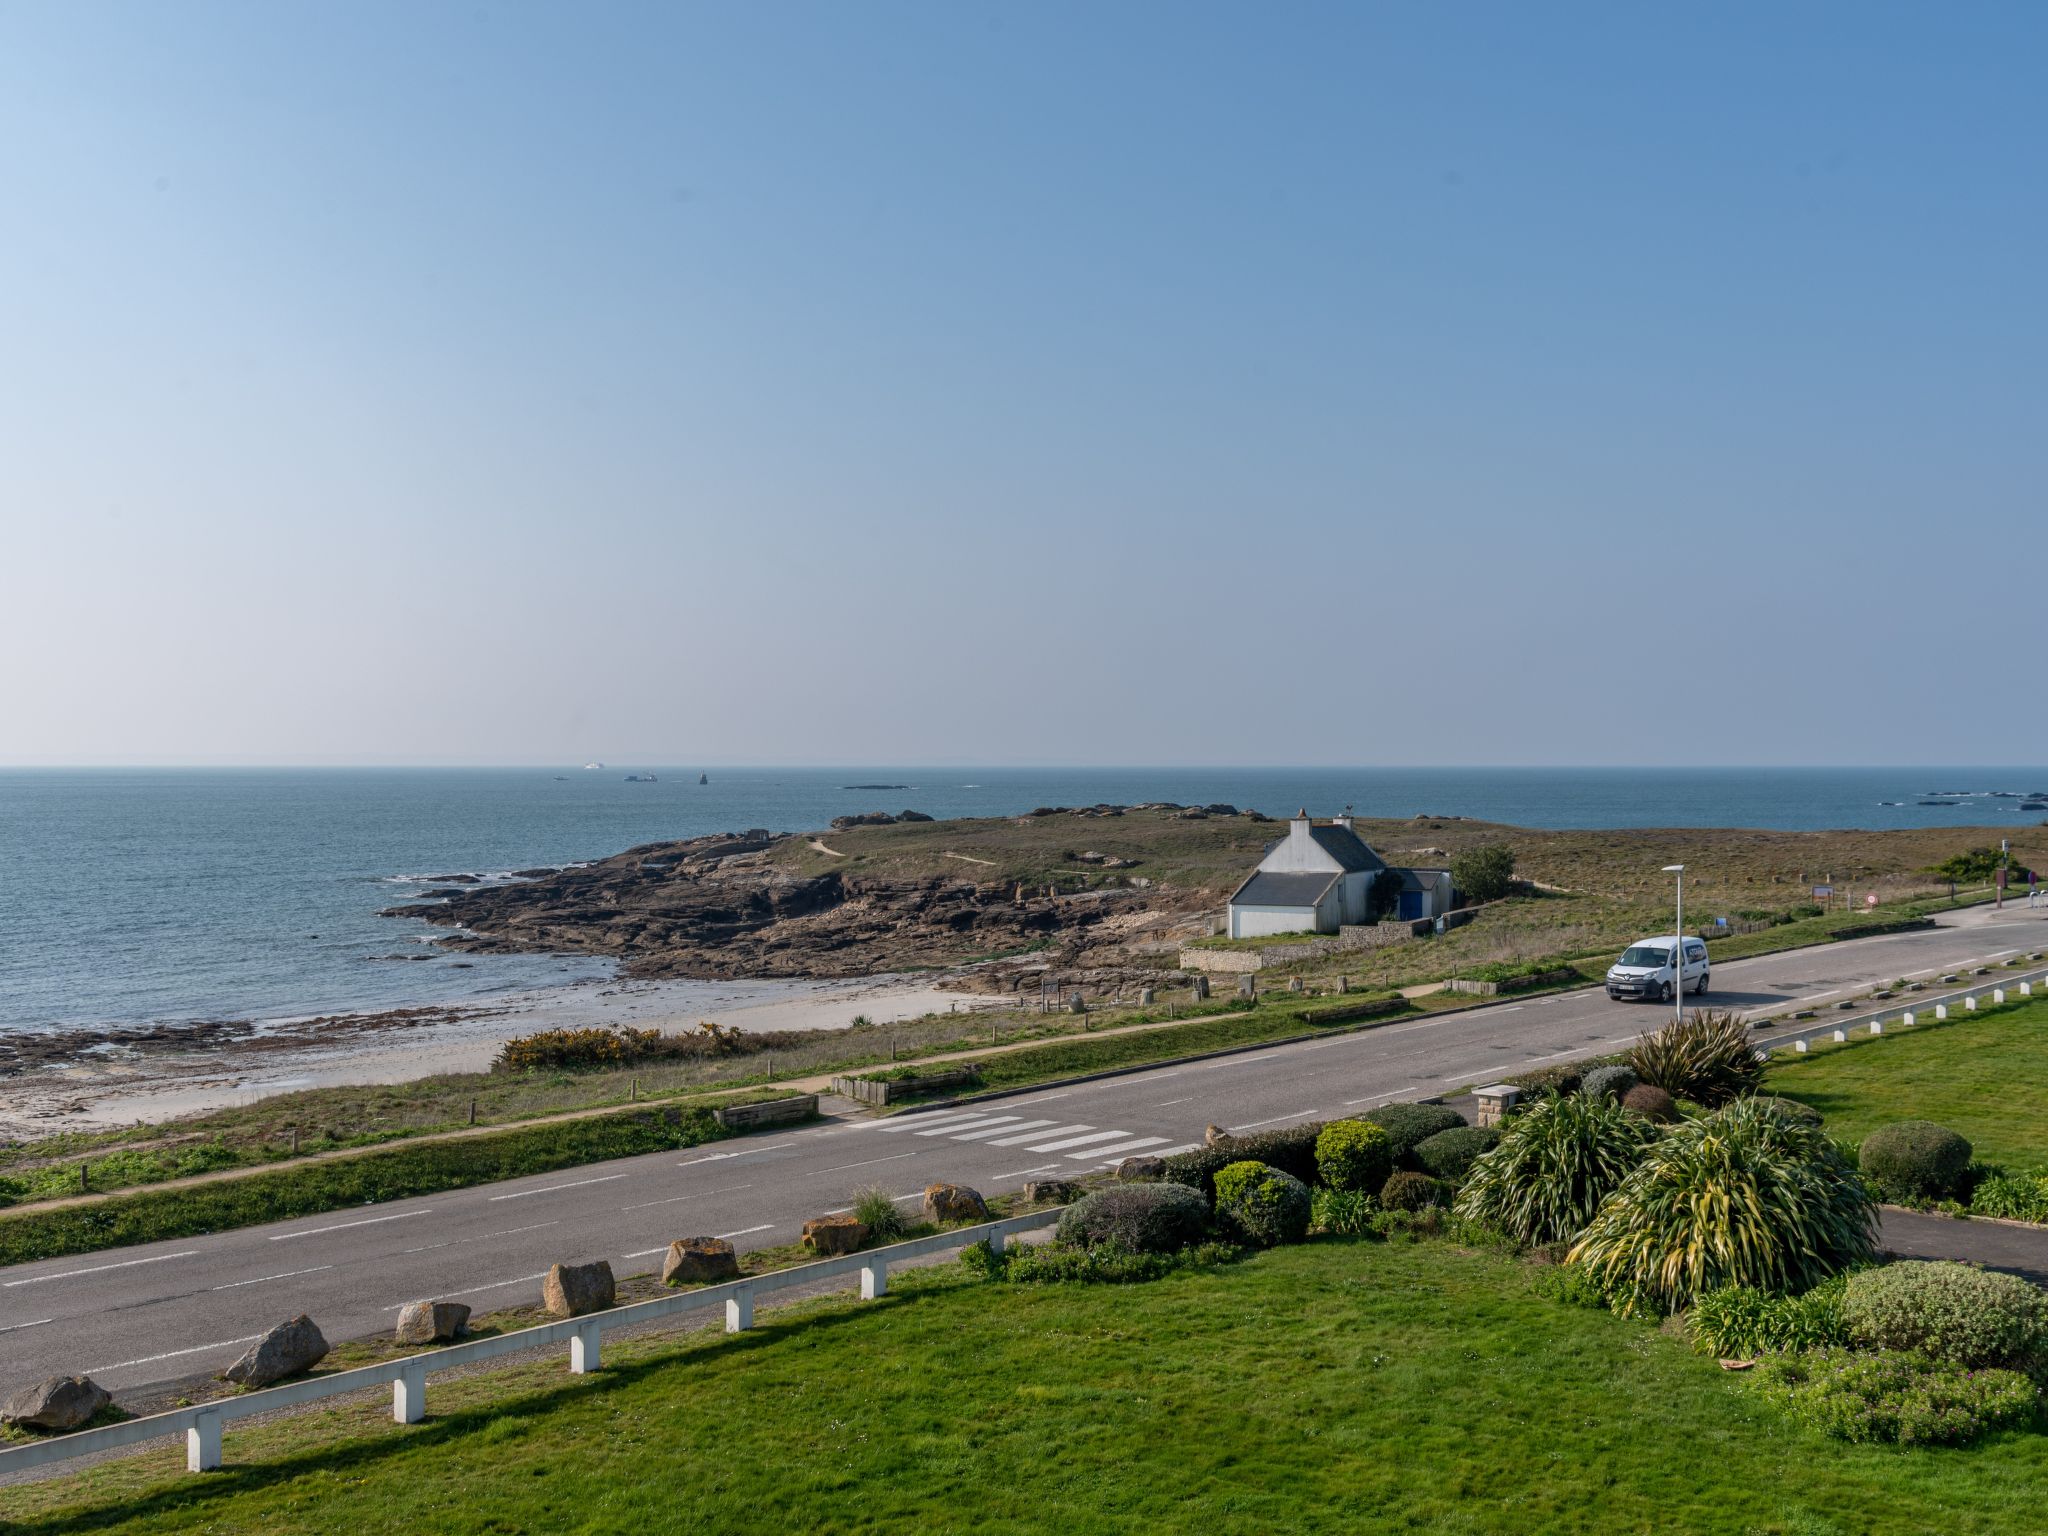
<point>1142,1218</point>
<point>1450,1154</point>
<point>1609,1082</point>
<point>1742,1196</point>
<point>1805,1114</point>
<point>1406,1191</point>
<point>1553,1167</point>
<point>1350,1154</point>
<point>1976,1318</point>
<point>1265,1206</point>
<point>1915,1160</point>
<point>1409,1125</point>
<point>1651,1102</point>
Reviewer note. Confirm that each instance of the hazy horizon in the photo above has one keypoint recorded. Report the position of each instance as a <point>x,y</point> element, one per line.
<point>1341,385</point>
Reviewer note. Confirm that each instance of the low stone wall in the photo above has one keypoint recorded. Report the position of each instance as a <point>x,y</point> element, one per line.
<point>1222,962</point>
<point>1348,939</point>
<point>1518,984</point>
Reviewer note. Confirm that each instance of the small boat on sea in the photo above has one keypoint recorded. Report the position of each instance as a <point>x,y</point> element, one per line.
<point>703,778</point>
<point>642,778</point>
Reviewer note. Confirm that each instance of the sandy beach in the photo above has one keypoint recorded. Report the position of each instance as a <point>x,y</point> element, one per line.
<point>97,1079</point>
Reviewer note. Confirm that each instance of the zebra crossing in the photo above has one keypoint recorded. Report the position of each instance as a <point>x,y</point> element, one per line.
<point>1073,1139</point>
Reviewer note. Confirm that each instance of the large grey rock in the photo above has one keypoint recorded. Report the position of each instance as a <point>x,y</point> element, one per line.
<point>432,1322</point>
<point>284,1351</point>
<point>691,1260</point>
<point>1052,1191</point>
<point>62,1402</point>
<point>570,1290</point>
<point>954,1202</point>
<point>1141,1170</point>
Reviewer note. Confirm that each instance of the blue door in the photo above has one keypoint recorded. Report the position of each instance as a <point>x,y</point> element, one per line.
<point>1411,905</point>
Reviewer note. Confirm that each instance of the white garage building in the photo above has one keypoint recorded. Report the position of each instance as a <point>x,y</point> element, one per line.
<point>1318,878</point>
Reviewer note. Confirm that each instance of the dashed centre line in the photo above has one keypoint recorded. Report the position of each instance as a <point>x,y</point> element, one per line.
<point>342,1226</point>
<point>96,1269</point>
<point>521,1194</point>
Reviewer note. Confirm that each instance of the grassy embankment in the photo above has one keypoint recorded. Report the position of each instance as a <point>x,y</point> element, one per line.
<point>1979,1074</point>
<point>1335,1386</point>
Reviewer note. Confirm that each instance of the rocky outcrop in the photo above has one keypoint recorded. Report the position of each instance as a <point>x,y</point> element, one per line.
<point>834,1234</point>
<point>431,1322</point>
<point>61,1402</point>
<point>284,1351</point>
<point>570,1290</point>
<point>1052,1191</point>
<point>1141,1170</point>
<point>695,1260</point>
<point>953,1202</point>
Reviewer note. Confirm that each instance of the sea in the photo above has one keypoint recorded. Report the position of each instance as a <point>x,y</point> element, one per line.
<point>133,895</point>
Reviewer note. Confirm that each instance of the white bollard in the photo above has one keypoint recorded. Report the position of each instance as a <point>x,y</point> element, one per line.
<point>1998,994</point>
<point>409,1395</point>
<point>1877,1026</point>
<point>585,1349</point>
<point>739,1312</point>
<point>1969,1005</point>
<point>874,1279</point>
<point>2026,989</point>
<point>202,1444</point>
<point>1907,1018</point>
<point>1841,1037</point>
<point>1941,1010</point>
<point>1799,1046</point>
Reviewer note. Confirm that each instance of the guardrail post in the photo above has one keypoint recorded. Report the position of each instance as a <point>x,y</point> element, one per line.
<point>739,1312</point>
<point>202,1444</point>
<point>409,1395</point>
<point>874,1279</point>
<point>1907,1018</point>
<point>996,1242</point>
<point>1799,1046</point>
<point>1877,1026</point>
<point>585,1349</point>
<point>1941,1010</point>
<point>2026,989</point>
<point>1970,1004</point>
<point>1998,994</point>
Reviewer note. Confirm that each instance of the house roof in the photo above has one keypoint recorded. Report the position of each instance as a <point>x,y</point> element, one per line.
<point>1270,888</point>
<point>1424,879</point>
<point>1346,847</point>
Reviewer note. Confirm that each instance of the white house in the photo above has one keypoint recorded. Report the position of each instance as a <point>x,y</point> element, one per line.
<point>1318,878</point>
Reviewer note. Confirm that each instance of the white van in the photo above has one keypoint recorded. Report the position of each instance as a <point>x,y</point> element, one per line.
<point>1644,969</point>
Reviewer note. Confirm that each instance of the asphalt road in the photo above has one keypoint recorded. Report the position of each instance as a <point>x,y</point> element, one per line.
<point>136,1317</point>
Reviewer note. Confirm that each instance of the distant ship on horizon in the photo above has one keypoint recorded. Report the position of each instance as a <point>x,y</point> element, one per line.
<point>587,767</point>
<point>642,778</point>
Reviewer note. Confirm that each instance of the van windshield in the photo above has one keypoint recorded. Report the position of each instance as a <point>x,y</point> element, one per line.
<point>1645,954</point>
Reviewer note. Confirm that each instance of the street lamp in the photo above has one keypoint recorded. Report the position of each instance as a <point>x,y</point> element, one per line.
<point>1678,945</point>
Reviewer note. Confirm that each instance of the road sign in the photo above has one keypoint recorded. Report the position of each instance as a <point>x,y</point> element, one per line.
<point>1870,900</point>
<point>1823,892</point>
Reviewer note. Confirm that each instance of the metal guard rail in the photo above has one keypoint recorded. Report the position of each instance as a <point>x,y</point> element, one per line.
<point>408,1376</point>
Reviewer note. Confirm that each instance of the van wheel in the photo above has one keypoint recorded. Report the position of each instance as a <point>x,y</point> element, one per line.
<point>1664,994</point>
<point>1701,989</point>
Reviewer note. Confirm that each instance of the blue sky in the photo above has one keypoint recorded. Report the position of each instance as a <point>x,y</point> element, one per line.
<point>1126,384</point>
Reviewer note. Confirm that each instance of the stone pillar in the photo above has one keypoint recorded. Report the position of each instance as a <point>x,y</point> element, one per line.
<point>1201,988</point>
<point>1247,985</point>
<point>1076,1003</point>
<point>1343,984</point>
<point>1147,997</point>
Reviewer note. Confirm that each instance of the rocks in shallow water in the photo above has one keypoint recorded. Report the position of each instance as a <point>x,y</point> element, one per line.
<point>570,1290</point>
<point>954,1202</point>
<point>432,1322</point>
<point>692,1260</point>
<point>834,1234</point>
<point>61,1402</point>
<point>284,1351</point>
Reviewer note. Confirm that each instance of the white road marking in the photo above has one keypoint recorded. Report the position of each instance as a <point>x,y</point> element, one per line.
<point>1121,1147</point>
<point>340,1226</point>
<point>521,1194</point>
<point>1011,1141</point>
<point>17,1327</point>
<point>68,1274</point>
<point>672,1199</point>
<point>1516,1009</point>
<point>721,1157</point>
<point>1299,1114</point>
<point>1046,1098</point>
<point>481,1236</point>
<point>1168,1104</point>
<point>1004,1130</point>
<point>233,1285</point>
<point>923,1123</point>
<point>172,1354</point>
<point>1544,1002</point>
<point>1186,1146</point>
<point>1404,1088</point>
<point>1076,1141</point>
<point>1019,1173</point>
<point>495,1285</point>
<point>764,1227</point>
<point>969,1125</point>
<point>869,1163</point>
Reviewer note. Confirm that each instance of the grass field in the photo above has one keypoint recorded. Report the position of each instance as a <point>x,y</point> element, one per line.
<point>1336,1386</point>
<point>1985,1076</point>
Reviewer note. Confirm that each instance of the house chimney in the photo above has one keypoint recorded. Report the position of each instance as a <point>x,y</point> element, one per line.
<point>1343,821</point>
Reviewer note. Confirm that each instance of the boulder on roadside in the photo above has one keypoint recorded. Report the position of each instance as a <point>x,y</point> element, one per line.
<point>1214,1134</point>
<point>571,1290</point>
<point>834,1234</point>
<point>431,1322</point>
<point>1141,1170</point>
<point>1052,1191</point>
<point>61,1402</point>
<point>954,1202</point>
<point>692,1260</point>
<point>284,1351</point>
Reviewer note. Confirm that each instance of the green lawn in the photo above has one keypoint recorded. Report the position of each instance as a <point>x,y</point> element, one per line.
<point>1331,1387</point>
<point>1979,1074</point>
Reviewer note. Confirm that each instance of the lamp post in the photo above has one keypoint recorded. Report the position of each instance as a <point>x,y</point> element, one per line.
<point>1678,945</point>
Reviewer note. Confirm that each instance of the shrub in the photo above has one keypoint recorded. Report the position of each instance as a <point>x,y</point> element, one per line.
<point>1450,1154</point>
<point>1651,1102</point>
<point>571,1049</point>
<point>1562,1079</point>
<point>1953,1313</point>
<point>1341,1212</point>
<point>1805,1114</point>
<point>1609,1082</point>
<point>1569,1284</point>
<point>1406,1191</point>
<point>1742,1321</point>
<point>875,1209</point>
<point>1351,1154</point>
<point>2015,1196</point>
<point>1705,1056</point>
<point>1409,1125</point>
<point>1915,1160</point>
<point>1742,1196</point>
<point>1144,1218</point>
<point>1291,1149</point>
<point>1267,1206</point>
<point>1905,1399</point>
<point>1107,1263</point>
<point>1485,873</point>
<point>1553,1167</point>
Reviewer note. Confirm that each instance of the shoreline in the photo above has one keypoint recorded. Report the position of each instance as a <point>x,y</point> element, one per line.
<point>88,1080</point>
